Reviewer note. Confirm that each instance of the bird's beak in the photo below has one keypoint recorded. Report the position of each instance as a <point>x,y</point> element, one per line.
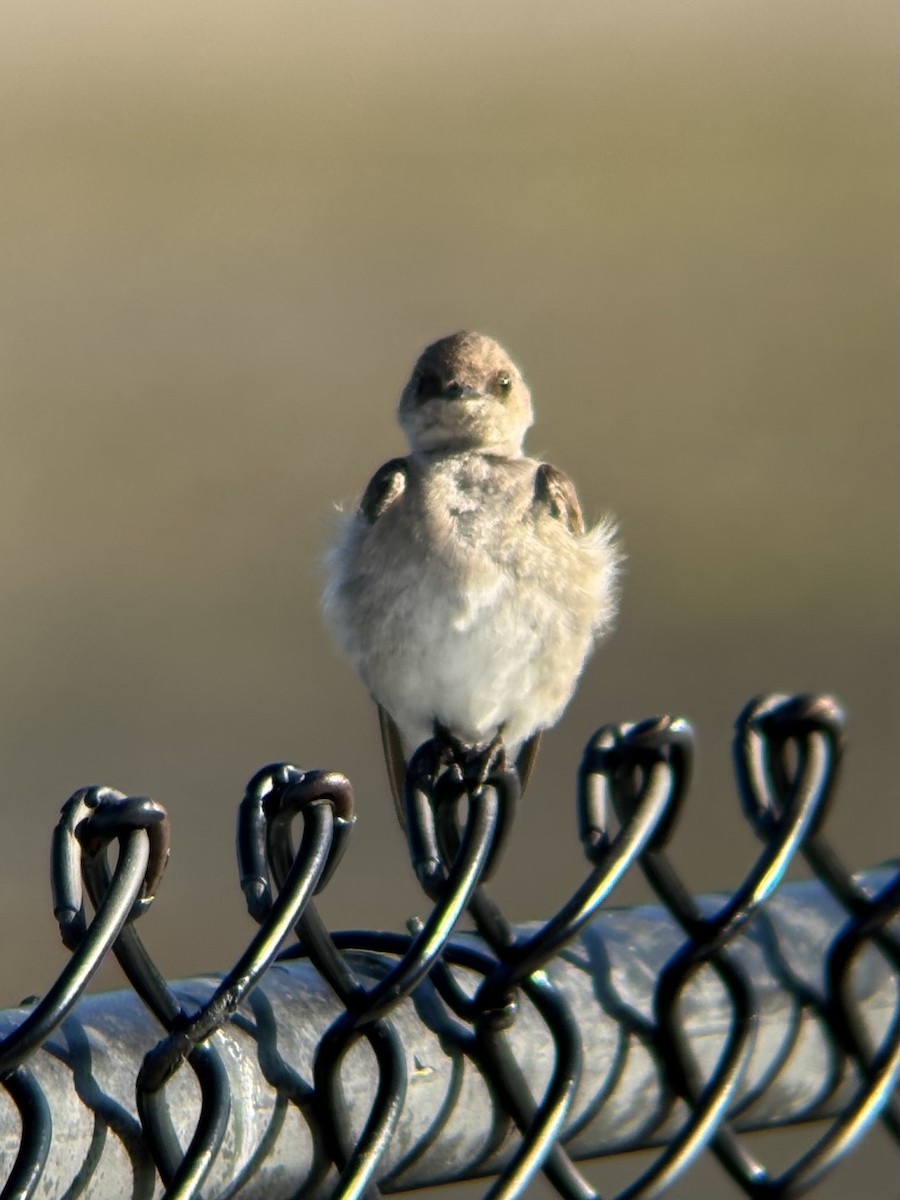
<point>460,391</point>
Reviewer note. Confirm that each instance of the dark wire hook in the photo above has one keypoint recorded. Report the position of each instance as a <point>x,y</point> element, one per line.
<point>769,787</point>
<point>765,729</point>
<point>317,852</point>
<point>143,852</point>
<point>494,1010</point>
<point>81,816</point>
<point>115,816</point>
<point>638,754</point>
<point>369,1010</point>
<point>808,789</point>
<point>655,809</point>
<point>521,962</point>
<point>654,812</point>
<point>450,887</point>
<point>323,841</point>
<point>815,724</point>
<point>274,797</point>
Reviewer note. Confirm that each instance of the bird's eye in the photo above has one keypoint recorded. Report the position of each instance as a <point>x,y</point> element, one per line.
<point>428,385</point>
<point>501,383</point>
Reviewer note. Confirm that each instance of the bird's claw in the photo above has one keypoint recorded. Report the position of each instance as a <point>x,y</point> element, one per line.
<point>483,762</point>
<point>468,765</point>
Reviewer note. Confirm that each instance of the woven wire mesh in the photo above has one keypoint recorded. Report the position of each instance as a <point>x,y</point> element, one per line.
<point>349,1064</point>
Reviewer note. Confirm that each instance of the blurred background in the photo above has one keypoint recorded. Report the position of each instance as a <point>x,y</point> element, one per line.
<point>226,233</point>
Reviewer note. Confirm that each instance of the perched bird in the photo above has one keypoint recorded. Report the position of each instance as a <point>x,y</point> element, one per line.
<point>466,590</point>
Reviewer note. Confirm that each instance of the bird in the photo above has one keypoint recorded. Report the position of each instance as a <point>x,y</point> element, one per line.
<point>466,589</point>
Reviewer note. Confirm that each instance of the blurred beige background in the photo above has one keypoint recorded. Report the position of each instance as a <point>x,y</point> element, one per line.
<point>226,232</point>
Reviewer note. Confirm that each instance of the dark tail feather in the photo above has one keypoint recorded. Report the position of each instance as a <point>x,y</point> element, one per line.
<point>525,758</point>
<point>394,761</point>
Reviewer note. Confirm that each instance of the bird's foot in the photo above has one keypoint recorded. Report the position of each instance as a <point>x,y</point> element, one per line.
<point>486,760</point>
<point>473,764</point>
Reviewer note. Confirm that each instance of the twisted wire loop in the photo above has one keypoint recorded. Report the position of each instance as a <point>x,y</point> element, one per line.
<point>812,727</point>
<point>869,915</point>
<point>449,880</point>
<point>666,744</point>
<point>189,1035</point>
<point>492,1010</point>
<point>275,795</point>
<point>449,876</point>
<point>709,935</point>
<point>519,961</point>
<point>84,822</point>
<point>112,816</point>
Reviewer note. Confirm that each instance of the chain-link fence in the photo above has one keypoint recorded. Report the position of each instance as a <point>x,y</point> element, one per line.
<point>362,1061</point>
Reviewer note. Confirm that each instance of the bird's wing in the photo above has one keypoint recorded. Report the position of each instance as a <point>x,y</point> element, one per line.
<point>386,486</point>
<point>555,490</point>
<point>394,761</point>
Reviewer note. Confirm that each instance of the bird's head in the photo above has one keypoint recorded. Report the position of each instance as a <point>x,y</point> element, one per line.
<point>466,393</point>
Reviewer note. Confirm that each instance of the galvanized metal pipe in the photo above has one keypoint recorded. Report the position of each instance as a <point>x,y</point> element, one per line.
<point>450,1127</point>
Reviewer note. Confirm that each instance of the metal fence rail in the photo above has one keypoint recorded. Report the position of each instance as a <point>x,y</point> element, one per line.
<point>365,1062</point>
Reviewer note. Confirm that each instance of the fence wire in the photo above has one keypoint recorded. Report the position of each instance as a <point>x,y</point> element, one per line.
<point>362,1062</point>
